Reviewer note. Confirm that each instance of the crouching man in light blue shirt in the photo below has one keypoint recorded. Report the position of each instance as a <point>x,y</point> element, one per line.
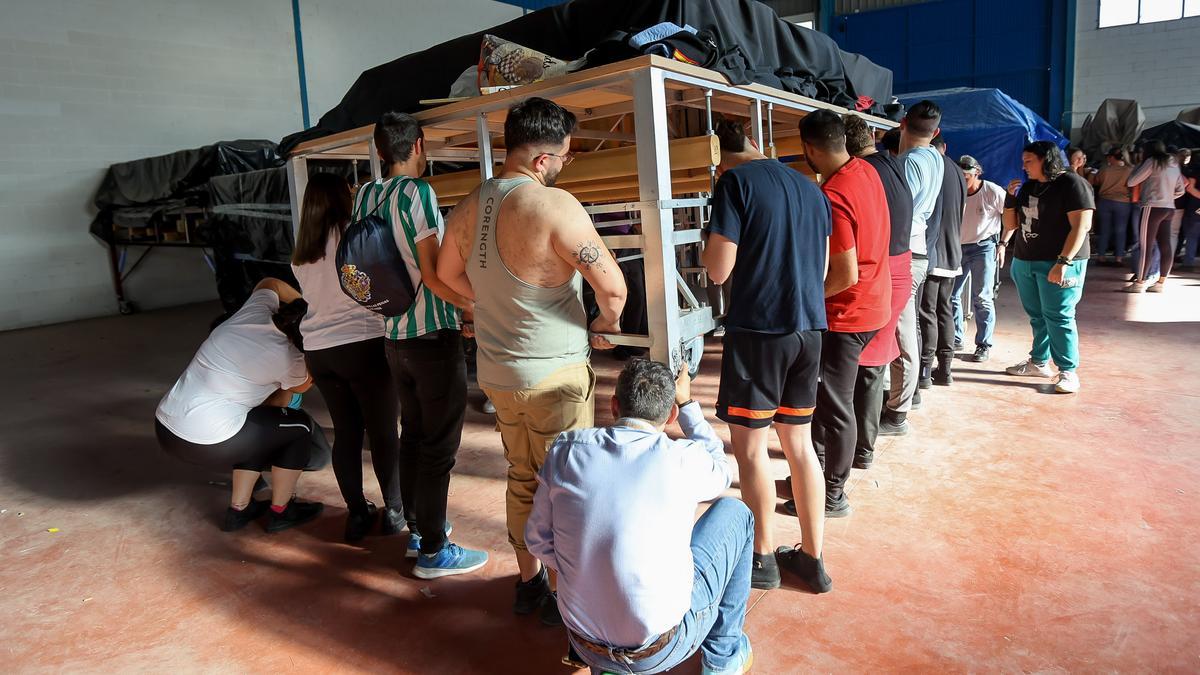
<point>642,584</point>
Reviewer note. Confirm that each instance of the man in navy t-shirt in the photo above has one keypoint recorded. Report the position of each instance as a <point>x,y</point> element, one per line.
<point>770,229</point>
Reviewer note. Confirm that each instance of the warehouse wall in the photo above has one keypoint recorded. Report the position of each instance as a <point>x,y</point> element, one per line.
<point>1155,64</point>
<point>342,38</point>
<point>87,83</point>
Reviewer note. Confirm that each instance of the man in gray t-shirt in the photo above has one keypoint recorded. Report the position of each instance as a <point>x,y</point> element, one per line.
<point>923,168</point>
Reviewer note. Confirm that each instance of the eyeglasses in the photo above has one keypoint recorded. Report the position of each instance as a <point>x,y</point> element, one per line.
<point>565,158</point>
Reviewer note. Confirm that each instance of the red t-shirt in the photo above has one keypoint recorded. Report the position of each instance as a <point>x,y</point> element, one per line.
<point>860,221</point>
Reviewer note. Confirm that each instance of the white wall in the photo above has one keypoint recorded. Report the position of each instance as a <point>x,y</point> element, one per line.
<point>1155,64</point>
<point>87,83</point>
<point>84,84</point>
<point>342,38</point>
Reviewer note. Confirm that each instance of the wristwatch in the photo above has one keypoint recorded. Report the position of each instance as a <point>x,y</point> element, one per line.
<point>687,403</point>
<point>1063,260</point>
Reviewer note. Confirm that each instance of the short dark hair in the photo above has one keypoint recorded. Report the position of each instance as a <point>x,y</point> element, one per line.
<point>732,134</point>
<point>823,129</point>
<point>395,135</point>
<point>537,121</point>
<point>891,141</point>
<point>938,141</point>
<point>1072,149</point>
<point>645,391</point>
<point>858,134</point>
<point>923,119</point>
<point>1053,161</point>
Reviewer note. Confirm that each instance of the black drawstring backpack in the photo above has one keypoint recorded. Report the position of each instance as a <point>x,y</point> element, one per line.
<point>370,268</point>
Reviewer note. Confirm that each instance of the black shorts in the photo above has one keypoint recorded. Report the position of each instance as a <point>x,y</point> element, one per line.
<point>767,377</point>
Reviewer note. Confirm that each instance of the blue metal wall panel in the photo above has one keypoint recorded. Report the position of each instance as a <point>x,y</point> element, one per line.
<point>1017,46</point>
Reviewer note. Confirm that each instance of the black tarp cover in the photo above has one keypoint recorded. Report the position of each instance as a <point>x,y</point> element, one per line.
<point>143,181</point>
<point>777,53</point>
<point>1176,133</point>
<point>250,232</point>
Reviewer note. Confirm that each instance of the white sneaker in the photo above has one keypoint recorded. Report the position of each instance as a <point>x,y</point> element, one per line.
<point>1067,382</point>
<point>1135,287</point>
<point>1156,288</point>
<point>1028,368</point>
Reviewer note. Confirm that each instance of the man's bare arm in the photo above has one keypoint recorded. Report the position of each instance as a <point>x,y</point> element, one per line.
<point>842,272</point>
<point>719,257</point>
<point>576,241</point>
<point>456,244</point>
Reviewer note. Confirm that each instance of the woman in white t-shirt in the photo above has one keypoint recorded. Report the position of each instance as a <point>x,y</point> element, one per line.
<point>345,353</point>
<point>237,405</point>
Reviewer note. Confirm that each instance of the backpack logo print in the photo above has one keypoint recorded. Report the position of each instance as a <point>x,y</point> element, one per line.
<point>356,283</point>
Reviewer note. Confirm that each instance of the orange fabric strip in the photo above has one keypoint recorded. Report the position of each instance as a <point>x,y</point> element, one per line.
<point>796,412</point>
<point>750,414</point>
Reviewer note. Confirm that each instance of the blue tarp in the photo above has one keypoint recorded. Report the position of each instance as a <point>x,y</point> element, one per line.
<point>990,126</point>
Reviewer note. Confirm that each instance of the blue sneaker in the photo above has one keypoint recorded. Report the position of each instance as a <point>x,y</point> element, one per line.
<point>741,661</point>
<point>452,559</point>
<point>414,542</point>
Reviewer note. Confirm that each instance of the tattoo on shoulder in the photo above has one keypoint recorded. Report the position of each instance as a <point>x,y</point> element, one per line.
<point>588,256</point>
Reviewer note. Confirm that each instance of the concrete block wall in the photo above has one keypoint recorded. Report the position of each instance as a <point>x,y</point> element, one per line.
<point>87,83</point>
<point>1155,64</point>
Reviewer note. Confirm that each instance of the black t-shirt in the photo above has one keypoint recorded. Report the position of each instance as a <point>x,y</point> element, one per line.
<point>899,199</point>
<point>1042,210</point>
<point>780,221</point>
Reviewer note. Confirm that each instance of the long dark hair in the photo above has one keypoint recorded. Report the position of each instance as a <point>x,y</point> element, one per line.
<point>327,206</point>
<point>1157,150</point>
<point>1053,163</point>
<point>288,318</point>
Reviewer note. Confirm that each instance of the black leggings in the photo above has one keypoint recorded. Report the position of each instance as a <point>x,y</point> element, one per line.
<point>1155,224</point>
<point>282,437</point>
<point>358,389</point>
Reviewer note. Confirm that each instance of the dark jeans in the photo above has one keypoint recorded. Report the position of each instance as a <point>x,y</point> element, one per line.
<point>937,322</point>
<point>1189,231</point>
<point>868,406</point>
<point>1112,224</point>
<point>835,433</point>
<point>270,436</point>
<point>431,380</point>
<point>721,555</point>
<point>358,389</point>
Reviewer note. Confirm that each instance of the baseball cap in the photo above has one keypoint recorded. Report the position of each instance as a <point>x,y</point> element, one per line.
<point>967,162</point>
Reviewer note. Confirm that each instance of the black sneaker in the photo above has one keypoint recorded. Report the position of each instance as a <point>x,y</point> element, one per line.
<point>790,507</point>
<point>837,508</point>
<point>550,614</point>
<point>531,594</point>
<point>916,400</point>
<point>295,513</point>
<point>893,424</point>
<point>958,345</point>
<point>943,378</point>
<point>236,520</point>
<point>765,573</point>
<point>925,378</point>
<point>863,460</point>
<point>981,354</point>
<point>810,570</point>
<point>393,522</point>
<point>359,521</point>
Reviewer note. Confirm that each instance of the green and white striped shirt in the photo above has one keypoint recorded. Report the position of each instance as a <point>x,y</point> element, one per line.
<point>412,211</point>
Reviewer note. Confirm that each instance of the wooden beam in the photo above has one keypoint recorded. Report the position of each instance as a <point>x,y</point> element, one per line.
<point>591,167</point>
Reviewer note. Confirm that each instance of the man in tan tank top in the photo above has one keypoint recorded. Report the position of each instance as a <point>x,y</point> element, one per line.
<point>522,245</point>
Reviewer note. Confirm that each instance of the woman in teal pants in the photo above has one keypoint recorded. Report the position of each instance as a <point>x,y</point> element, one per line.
<point>1046,223</point>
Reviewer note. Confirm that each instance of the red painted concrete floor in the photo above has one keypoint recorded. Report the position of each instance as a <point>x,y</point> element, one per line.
<point>1014,530</point>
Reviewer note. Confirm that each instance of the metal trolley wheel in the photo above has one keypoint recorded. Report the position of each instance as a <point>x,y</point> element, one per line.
<point>693,352</point>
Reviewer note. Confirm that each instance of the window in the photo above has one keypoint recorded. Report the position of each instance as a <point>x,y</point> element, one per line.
<point>1126,12</point>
